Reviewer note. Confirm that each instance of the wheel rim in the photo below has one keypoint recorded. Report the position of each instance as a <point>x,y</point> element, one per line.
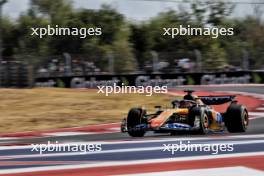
<point>245,119</point>
<point>206,122</point>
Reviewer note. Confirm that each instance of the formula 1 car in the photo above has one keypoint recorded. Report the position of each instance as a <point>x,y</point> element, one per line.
<point>192,113</point>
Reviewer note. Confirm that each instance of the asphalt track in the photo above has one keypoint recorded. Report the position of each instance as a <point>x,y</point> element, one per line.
<point>123,155</point>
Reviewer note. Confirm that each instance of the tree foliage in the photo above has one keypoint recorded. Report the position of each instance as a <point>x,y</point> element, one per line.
<point>131,44</point>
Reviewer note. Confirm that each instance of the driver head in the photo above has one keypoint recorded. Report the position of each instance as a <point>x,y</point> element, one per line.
<point>189,91</point>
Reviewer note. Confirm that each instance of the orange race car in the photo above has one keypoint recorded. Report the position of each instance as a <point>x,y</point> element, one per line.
<point>192,113</point>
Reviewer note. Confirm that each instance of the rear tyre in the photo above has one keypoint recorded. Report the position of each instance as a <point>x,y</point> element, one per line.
<point>134,118</point>
<point>236,118</point>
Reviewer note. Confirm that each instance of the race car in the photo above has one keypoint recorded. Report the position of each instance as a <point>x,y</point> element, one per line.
<point>192,113</point>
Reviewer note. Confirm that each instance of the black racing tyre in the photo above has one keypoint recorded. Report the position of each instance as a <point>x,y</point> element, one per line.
<point>236,118</point>
<point>204,123</point>
<point>135,118</point>
<point>199,113</point>
<point>193,112</point>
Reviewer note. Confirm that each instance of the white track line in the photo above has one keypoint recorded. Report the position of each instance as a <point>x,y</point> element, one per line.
<point>123,163</point>
<point>67,133</point>
<point>146,140</point>
<point>261,108</point>
<point>258,114</point>
<point>8,138</point>
<point>96,125</point>
<point>127,150</point>
<point>261,136</point>
<point>226,171</point>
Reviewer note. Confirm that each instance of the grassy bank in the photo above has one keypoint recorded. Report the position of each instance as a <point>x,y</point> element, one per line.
<point>51,108</point>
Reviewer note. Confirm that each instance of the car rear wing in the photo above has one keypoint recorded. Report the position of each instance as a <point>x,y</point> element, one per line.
<point>217,100</point>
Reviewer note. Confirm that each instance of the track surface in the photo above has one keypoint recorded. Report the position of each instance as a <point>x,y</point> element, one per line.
<point>122,154</point>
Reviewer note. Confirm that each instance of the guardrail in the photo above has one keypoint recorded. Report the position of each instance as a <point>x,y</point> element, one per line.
<point>19,75</point>
<point>157,79</point>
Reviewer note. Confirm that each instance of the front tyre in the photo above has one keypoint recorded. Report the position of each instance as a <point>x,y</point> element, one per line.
<point>236,118</point>
<point>134,118</point>
<point>198,119</point>
<point>204,123</point>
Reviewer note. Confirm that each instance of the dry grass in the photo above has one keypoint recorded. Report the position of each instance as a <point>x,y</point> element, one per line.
<point>51,108</point>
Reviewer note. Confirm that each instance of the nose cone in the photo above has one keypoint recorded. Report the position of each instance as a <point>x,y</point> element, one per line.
<point>162,118</point>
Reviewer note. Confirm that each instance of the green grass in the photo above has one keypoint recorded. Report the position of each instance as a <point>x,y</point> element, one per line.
<point>51,108</point>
